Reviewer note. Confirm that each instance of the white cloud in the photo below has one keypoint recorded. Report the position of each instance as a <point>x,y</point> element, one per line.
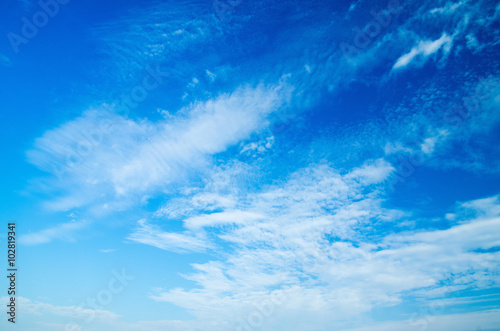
<point>449,8</point>
<point>318,238</point>
<point>223,218</point>
<point>321,242</point>
<point>211,75</point>
<point>472,43</point>
<point>487,207</point>
<point>5,61</point>
<point>64,231</point>
<point>132,41</point>
<point>110,250</point>
<point>470,124</point>
<point>474,321</point>
<point>120,157</point>
<point>424,49</point>
<point>258,147</point>
<point>30,307</point>
<point>395,147</point>
<point>177,242</point>
<point>429,143</point>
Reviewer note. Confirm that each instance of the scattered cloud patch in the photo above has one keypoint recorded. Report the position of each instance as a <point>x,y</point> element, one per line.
<point>122,157</point>
<point>152,235</point>
<point>65,232</point>
<point>30,307</point>
<point>110,250</point>
<point>423,50</point>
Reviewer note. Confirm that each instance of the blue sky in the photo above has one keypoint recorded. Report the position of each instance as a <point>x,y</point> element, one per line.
<point>252,165</point>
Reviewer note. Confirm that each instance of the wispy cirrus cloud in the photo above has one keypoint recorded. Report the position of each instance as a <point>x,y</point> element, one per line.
<point>123,157</point>
<point>64,231</point>
<point>32,307</point>
<point>320,234</point>
<point>108,250</point>
<point>152,235</point>
<point>324,242</point>
<point>448,8</point>
<point>423,50</point>
<point>484,320</point>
